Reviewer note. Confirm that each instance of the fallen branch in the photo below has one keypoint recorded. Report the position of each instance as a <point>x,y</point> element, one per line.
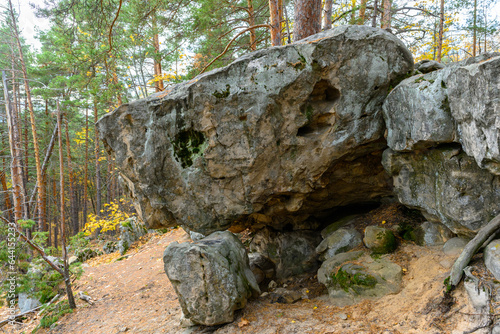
<point>17,316</point>
<point>470,249</point>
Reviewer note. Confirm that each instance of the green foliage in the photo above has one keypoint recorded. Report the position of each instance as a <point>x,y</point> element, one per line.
<point>78,241</point>
<point>53,314</point>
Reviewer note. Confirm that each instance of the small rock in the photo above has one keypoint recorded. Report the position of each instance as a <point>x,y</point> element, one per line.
<point>195,236</point>
<point>492,258</point>
<point>380,240</point>
<point>109,247</point>
<point>284,296</point>
<point>426,66</point>
<point>336,225</point>
<point>72,259</point>
<point>433,234</point>
<point>342,316</point>
<point>272,285</point>
<point>264,294</point>
<point>123,329</point>
<point>454,246</point>
<point>340,241</point>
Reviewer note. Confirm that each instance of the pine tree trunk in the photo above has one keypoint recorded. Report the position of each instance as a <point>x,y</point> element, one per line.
<point>474,38</point>
<point>251,23</point>
<point>97,166</point>
<point>157,56</point>
<point>375,13</point>
<point>86,167</point>
<point>15,170</point>
<point>362,12</point>
<point>41,188</point>
<point>73,204</point>
<point>441,31</point>
<point>353,12</point>
<point>307,18</point>
<point>274,20</point>
<point>327,15</point>
<point>7,204</point>
<point>386,15</point>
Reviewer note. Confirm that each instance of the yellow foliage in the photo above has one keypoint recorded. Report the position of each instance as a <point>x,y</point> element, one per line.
<point>110,218</point>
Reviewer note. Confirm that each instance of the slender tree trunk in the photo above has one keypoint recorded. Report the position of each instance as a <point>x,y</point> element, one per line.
<point>157,56</point>
<point>307,18</point>
<point>327,15</point>
<point>86,164</point>
<point>274,20</point>
<point>15,166</point>
<point>441,31</point>
<point>39,178</point>
<point>362,12</point>
<point>375,13</point>
<point>67,281</point>
<point>8,205</point>
<point>251,23</point>
<point>55,199</point>
<point>353,12</point>
<point>73,204</point>
<point>287,25</point>
<point>474,38</point>
<point>97,166</point>
<point>386,15</point>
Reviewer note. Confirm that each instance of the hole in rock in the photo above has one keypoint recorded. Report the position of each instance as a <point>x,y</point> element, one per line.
<point>188,145</point>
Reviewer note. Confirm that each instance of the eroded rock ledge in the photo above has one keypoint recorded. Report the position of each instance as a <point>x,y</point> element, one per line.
<point>276,138</point>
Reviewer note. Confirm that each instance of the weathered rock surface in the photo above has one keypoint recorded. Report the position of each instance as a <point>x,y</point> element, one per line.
<point>340,241</point>
<point>454,246</point>
<point>367,278</point>
<point>432,234</point>
<point>426,66</point>
<point>380,240</point>
<point>130,231</point>
<point>425,116</point>
<point>27,303</point>
<point>447,185</point>
<point>211,277</point>
<point>292,252</point>
<point>492,258</point>
<point>275,137</point>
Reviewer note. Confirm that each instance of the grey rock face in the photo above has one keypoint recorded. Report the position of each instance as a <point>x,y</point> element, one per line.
<point>26,303</point>
<point>211,277</point>
<point>426,66</point>
<point>340,241</point>
<point>110,247</point>
<point>492,258</point>
<point>432,234</point>
<point>474,93</point>
<point>454,246</point>
<point>292,252</point>
<point>447,185</point>
<point>380,240</point>
<point>457,104</point>
<point>224,147</point>
<point>130,231</point>
<point>335,261</point>
<point>349,283</point>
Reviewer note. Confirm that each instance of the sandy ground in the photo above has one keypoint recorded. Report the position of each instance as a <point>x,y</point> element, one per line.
<point>134,296</point>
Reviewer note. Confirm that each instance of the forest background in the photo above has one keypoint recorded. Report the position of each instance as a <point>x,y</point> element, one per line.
<point>56,180</point>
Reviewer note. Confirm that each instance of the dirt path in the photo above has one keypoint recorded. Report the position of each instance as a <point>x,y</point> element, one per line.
<point>134,296</point>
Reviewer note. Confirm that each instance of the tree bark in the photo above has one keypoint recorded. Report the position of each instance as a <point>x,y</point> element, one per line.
<point>327,15</point>
<point>471,248</point>
<point>157,57</point>
<point>41,188</point>
<point>386,15</point>
<point>362,12</point>
<point>251,23</point>
<point>375,13</point>
<point>274,20</point>
<point>307,18</point>
<point>474,38</point>
<point>73,204</point>
<point>441,31</point>
<point>15,166</point>
<point>8,205</point>
<point>97,166</point>
<point>67,281</point>
<point>86,164</point>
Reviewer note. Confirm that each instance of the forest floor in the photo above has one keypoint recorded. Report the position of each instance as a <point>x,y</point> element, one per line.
<point>133,295</point>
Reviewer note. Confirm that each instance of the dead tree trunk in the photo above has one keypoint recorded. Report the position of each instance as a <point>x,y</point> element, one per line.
<point>441,32</point>
<point>327,15</point>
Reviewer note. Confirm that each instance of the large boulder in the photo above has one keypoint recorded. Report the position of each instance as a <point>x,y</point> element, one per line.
<point>447,185</point>
<point>443,134</point>
<point>211,277</point>
<point>277,136</point>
